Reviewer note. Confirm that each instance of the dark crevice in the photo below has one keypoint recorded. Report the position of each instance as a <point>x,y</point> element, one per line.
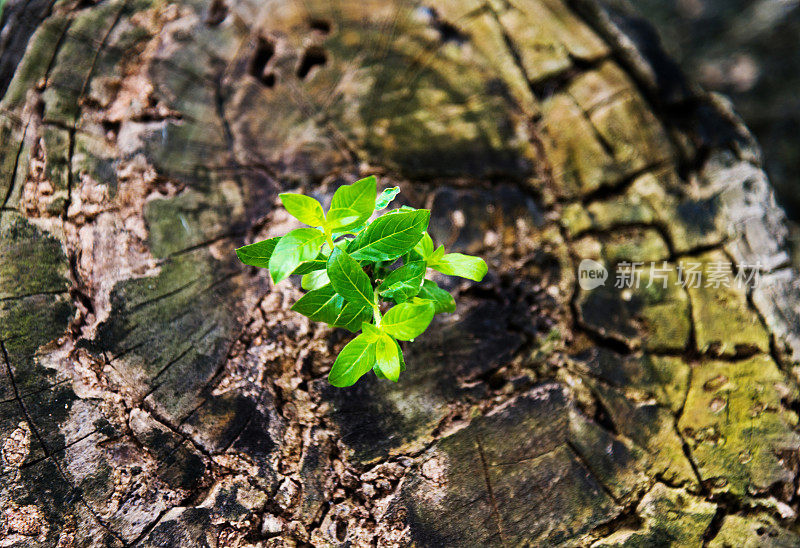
<point>268,79</point>
<point>492,499</point>
<point>84,87</point>
<point>715,526</point>
<point>156,416</point>
<point>545,88</point>
<point>626,520</point>
<point>314,56</point>
<point>341,531</point>
<point>670,96</point>
<point>603,417</point>
<point>447,31</point>
<point>687,452</point>
<point>70,174</point>
<point>205,243</point>
<point>265,50</point>
<point>217,12</point>
<point>614,190</point>
<point>692,350</point>
<point>320,25</point>
<point>79,294</point>
<point>166,295</point>
<point>618,345</point>
<point>110,126</point>
<point>576,454</point>
<point>15,168</point>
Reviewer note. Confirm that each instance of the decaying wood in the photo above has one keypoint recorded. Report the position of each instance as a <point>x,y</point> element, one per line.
<point>154,392</point>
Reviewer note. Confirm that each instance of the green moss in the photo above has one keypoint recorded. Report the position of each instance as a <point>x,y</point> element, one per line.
<point>31,261</point>
<point>651,427</point>
<point>635,245</point>
<point>15,155</point>
<point>176,326</point>
<point>723,319</point>
<point>191,218</point>
<point>33,66</point>
<point>652,316</point>
<point>579,162</point>
<point>621,466</point>
<point>736,425</point>
<point>672,517</point>
<point>753,531</point>
<point>636,137</point>
<point>74,63</point>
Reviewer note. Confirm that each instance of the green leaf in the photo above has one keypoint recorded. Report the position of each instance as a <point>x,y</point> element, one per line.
<point>314,280</point>
<point>407,321</point>
<point>342,219</point>
<point>404,283</point>
<point>458,264</point>
<point>320,305</point>
<point>349,280</point>
<point>424,247</point>
<point>303,208</point>
<point>351,315</point>
<point>390,236</point>
<point>371,332</point>
<point>351,231</point>
<point>257,254</point>
<point>296,247</point>
<point>442,300</point>
<point>355,359</point>
<point>359,196</point>
<point>411,257</point>
<point>386,197</point>
<point>319,263</point>
<point>400,354</point>
<point>387,358</point>
<point>325,305</point>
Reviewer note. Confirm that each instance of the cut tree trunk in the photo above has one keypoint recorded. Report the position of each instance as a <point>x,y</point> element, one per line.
<point>155,392</point>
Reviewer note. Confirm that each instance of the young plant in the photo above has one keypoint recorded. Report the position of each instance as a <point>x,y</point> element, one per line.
<point>354,269</point>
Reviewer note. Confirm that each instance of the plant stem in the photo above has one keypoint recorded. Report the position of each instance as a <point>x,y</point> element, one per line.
<point>376,310</point>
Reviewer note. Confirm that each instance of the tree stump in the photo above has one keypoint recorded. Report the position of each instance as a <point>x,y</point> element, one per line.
<point>155,392</point>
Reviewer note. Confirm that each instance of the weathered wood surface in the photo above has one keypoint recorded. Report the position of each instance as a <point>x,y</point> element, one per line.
<point>156,393</point>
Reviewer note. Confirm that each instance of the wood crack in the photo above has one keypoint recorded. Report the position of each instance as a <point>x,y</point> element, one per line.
<point>45,449</point>
<point>13,178</point>
<point>492,500</point>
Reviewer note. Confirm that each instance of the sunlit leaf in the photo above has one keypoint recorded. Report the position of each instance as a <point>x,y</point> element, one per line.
<point>296,247</point>
<point>303,208</point>
<point>355,359</point>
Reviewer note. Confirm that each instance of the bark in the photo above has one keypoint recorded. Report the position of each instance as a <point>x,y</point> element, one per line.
<point>154,392</point>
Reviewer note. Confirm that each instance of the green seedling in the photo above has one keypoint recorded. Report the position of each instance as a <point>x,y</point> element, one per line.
<point>364,275</point>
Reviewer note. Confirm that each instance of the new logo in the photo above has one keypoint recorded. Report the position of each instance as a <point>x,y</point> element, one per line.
<point>591,274</point>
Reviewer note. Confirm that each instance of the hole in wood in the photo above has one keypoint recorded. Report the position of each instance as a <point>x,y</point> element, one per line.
<point>264,52</point>
<point>341,531</point>
<point>320,25</point>
<point>268,79</point>
<point>217,12</point>
<point>313,57</point>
